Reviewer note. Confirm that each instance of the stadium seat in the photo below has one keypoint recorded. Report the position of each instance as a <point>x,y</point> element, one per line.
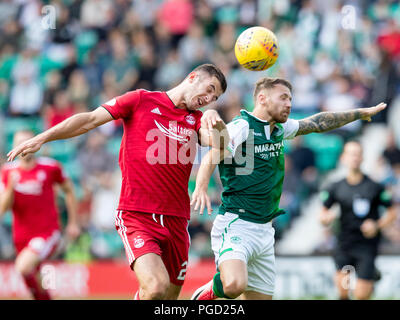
<point>84,42</point>
<point>12,125</point>
<point>327,148</point>
<point>113,145</point>
<point>63,151</point>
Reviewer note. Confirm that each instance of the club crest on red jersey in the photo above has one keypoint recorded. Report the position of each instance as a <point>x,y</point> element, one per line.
<point>190,119</point>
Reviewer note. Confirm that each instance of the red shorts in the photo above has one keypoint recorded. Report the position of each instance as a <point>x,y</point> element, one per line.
<point>164,235</point>
<point>44,245</point>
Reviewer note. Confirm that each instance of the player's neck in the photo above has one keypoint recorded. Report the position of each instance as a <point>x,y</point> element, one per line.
<point>28,164</point>
<point>261,114</point>
<point>354,177</point>
<point>177,98</point>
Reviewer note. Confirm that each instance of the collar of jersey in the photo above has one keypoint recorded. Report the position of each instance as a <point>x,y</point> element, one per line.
<point>264,123</point>
<point>174,107</point>
<point>253,116</point>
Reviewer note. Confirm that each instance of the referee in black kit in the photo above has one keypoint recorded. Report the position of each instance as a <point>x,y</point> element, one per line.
<point>360,223</point>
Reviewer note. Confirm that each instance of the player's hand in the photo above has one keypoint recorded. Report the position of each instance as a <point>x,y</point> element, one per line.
<point>369,228</point>
<point>73,231</point>
<point>29,146</point>
<point>327,217</point>
<point>211,120</point>
<point>367,113</point>
<point>200,200</point>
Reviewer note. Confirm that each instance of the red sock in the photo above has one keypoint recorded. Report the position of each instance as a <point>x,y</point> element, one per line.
<point>35,288</point>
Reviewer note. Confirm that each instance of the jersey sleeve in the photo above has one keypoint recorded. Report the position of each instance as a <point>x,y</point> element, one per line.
<point>327,196</point>
<point>59,174</point>
<point>384,197</point>
<point>123,106</point>
<point>238,132</point>
<point>290,128</point>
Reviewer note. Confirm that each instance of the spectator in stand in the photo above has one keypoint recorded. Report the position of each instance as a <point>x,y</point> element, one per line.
<point>78,88</point>
<point>339,98</point>
<point>176,16</point>
<point>98,181</point>
<point>26,94</point>
<point>305,166</point>
<point>194,47</point>
<point>53,82</point>
<point>392,151</point>
<point>121,66</point>
<point>60,110</point>
<point>305,93</point>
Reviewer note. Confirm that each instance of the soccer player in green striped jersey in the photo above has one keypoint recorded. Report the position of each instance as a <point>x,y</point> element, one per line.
<point>252,173</point>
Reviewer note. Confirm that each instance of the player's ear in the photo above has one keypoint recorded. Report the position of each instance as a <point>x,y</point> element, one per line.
<point>192,76</point>
<point>262,97</point>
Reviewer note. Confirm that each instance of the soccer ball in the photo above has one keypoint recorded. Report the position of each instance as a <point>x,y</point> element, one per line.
<point>256,48</point>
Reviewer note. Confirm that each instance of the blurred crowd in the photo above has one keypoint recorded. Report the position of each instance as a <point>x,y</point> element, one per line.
<point>61,57</point>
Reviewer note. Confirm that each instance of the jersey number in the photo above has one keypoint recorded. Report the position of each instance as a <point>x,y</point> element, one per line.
<point>182,273</point>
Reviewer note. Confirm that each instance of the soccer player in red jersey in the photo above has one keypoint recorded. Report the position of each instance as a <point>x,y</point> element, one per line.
<point>27,188</point>
<point>157,151</point>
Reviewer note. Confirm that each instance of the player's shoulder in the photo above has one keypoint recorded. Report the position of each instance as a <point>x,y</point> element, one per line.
<point>239,121</point>
<point>137,93</point>
<point>336,184</point>
<point>368,179</point>
<point>48,162</point>
<point>238,124</point>
<point>290,122</point>
<point>144,94</point>
<point>291,125</point>
<point>10,165</point>
<point>373,183</point>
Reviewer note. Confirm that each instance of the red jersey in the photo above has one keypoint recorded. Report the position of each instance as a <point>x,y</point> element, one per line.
<point>158,148</point>
<point>34,208</point>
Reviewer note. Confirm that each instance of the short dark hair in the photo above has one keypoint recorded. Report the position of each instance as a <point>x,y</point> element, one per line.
<point>268,83</point>
<point>213,71</point>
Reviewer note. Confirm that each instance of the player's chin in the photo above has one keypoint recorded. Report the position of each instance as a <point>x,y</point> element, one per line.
<point>283,118</point>
<point>194,107</point>
<point>28,157</point>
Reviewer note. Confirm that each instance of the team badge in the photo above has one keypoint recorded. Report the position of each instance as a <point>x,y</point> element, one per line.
<point>190,119</point>
<point>138,242</point>
<point>236,239</point>
<point>361,207</point>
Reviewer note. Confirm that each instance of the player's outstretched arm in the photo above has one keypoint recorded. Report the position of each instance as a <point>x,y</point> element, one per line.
<point>73,126</point>
<point>326,121</point>
<point>200,198</point>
